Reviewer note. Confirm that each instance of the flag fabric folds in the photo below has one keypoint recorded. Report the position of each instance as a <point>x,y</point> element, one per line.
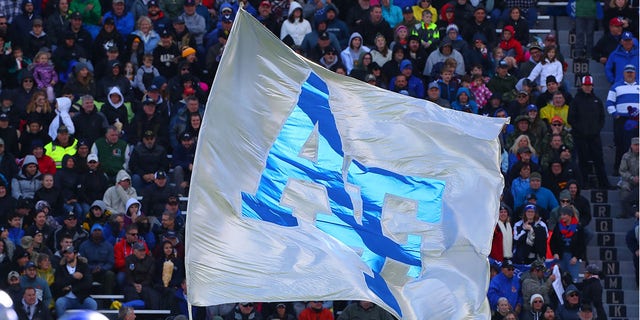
<point>308,185</point>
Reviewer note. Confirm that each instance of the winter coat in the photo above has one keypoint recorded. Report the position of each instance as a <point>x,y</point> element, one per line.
<point>116,197</point>
<point>297,29</point>
<point>62,118</point>
<point>81,288</point>
<point>24,186</point>
<point>586,115</point>
<point>619,58</point>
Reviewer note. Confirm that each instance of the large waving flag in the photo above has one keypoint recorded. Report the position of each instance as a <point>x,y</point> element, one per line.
<point>308,185</point>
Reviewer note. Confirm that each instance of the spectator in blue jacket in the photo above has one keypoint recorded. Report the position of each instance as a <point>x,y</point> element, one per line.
<point>626,53</point>
<point>414,84</point>
<point>505,285</point>
<point>100,258</point>
<point>123,19</point>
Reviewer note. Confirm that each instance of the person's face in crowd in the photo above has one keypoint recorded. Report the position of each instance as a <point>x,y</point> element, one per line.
<point>398,55</point>
<point>515,14</point>
<point>506,35</point>
<point>83,150</point>
<point>524,142</point>
<point>414,45</point>
<point>167,222</point>
<point>532,114</point>
<point>191,9</point>
<point>63,6</point>
<point>427,17</point>
<point>118,8</point>
<point>167,248</point>
<point>281,310</point>
<point>401,81</point>
<point>3,192</point>
<point>556,168</point>
<point>480,15</point>
<point>508,272</point>
<point>4,23</point>
<point>27,84</point>
<point>66,242</point>
<point>37,29</point>
<point>525,172</point>
<point>356,42</point>
<point>179,27</point>
<point>504,215</point>
<point>145,26</point>
<point>463,98</point>
<point>63,137</point>
<point>535,184</point>
<point>331,15</point>
<point>522,99</point>
<point>195,121</point>
<point>93,165</point>
<point>627,44</point>
<point>87,105</point>
<point>381,42</point>
<point>71,163</point>
<point>329,57</point>
<point>41,218</point>
<point>323,43</point>
<point>565,154</point>
<point>29,295</point>
<point>529,215</point>
<point>132,236</point>
<point>549,314</point>
<point>630,76</point>
<point>32,169</point>
<point>31,272</point>
<point>193,105</point>
<point>434,93</point>
<point>140,254</point>
<point>536,54</point>
<point>265,11</point>
<point>15,222</point>
<point>28,7</point>
<point>76,23</point>
<point>247,308</point>
<point>551,54</point>
<point>166,40</point>
<point>71,222</point>
<point>573,298</point>
<point>125,184</point>
<point>44,264</point>
<point>96,211</point>
<point>510,316</point>
<point>160,182</point>
<point>376,14</point>
<point>523,125</point>
<point>615,30</point>
<point>15,281</point>
<point>154,11</point>
<point>149,142</point>
<point>634,148</point>
<point>172,206</point>
<point>133,209</point>
<point>502,72</point>
<point>558,100</point>
<point>111,136</point>
<point>341,70</point>
<point>149,109</point>
<point>446,76</point>
<point>452,34</point>
<point>407,72</point>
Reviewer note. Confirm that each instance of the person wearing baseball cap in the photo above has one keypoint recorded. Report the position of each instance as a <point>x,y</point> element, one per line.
<point>586,115</point>
<point>609,41</point>
<point>625,54</point>
<point>622,100</point>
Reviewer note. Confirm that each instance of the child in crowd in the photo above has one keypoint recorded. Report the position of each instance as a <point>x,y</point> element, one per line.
<point>44,74</point>
<point>480,91</point>
<point>145,74</point>
<point>448,86</point>
<point>427,31</point>
<point>464,102</point>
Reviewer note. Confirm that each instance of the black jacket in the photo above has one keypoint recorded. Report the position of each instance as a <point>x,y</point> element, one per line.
<point>41,311</point>
<point>81,288</point>
<point>586,115</point>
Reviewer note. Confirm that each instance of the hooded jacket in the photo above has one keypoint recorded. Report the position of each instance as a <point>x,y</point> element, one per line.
<point>68,180</point>
<point>296,29</point>
<point>113,111</point>
<point>116,197</point>
<point>62,118</point>
<point>25,186</point>
<point>471,106</point>
<point>350,56</point>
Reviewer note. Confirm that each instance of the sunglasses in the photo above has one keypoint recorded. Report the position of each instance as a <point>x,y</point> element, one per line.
<point>557,125</point>
<point>573,294</point>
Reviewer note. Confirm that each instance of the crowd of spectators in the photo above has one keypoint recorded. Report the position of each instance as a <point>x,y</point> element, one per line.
<point>101,105</point>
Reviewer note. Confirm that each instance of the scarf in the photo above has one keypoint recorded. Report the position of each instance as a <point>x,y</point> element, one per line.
<point>507,239</point>
<point>568,230</point>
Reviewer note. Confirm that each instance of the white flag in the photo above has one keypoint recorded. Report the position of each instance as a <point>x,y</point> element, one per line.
<point>308,185</point>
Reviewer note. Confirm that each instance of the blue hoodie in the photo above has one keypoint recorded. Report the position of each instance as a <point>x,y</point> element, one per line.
<point>471,106</point>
